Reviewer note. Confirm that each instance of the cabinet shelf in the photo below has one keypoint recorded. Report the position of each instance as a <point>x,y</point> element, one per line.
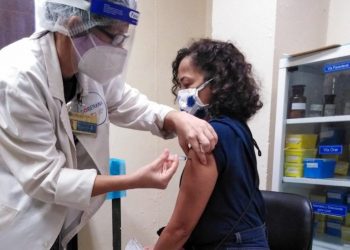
<point>320,73</point>
<point>322,119</point>
<point>337,181</point>
<point>323,241</point>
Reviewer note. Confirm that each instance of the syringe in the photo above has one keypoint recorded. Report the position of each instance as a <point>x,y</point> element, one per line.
<point>183,158</point>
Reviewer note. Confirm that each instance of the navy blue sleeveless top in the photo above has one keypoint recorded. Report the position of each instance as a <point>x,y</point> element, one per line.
<point>237,182</point>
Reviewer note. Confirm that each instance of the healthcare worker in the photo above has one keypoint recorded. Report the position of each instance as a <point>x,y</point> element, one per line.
<point>59,90</point>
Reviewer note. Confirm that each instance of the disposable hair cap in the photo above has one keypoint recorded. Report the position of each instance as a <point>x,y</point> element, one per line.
<point>53,15</point>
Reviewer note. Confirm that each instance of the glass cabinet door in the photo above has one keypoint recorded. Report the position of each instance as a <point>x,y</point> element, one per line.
<point>316,149</point>
<point>319,89</point>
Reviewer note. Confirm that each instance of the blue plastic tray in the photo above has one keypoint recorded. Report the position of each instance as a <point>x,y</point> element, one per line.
<point>319,168</point>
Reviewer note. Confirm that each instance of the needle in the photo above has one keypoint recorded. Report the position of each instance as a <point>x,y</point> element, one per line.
<point>183,158</point>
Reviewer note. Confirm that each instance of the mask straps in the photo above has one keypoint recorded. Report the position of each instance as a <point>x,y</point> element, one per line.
<point>76,49</point>
<point>92,39</point>
<point>199,88</point>
<point>203,85</point>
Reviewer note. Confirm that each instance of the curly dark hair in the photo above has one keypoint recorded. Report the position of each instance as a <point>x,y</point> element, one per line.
<point>235,92</point>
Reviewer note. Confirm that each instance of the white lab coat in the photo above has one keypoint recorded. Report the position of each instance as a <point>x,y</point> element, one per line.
<point>45,179</point>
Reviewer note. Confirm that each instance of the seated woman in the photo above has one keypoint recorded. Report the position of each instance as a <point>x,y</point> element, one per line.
<point>219,205</point>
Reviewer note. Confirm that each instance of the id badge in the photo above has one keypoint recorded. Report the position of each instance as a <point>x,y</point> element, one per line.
<point>83,123</point>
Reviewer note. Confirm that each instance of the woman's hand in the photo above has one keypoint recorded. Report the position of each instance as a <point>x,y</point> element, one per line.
<point>154,175</point>
<point>158,173</point>
<point>192,132</point>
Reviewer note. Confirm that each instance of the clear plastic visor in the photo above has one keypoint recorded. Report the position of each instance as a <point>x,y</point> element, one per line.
<point>116,37</point>
<point>115,34</point>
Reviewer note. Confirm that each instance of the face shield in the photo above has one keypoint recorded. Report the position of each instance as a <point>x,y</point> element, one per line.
<point>102,33</point>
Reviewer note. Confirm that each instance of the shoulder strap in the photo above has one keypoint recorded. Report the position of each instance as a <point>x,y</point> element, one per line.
<point>243,131</point>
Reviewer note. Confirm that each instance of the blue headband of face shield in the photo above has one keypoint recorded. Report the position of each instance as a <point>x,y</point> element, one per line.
<point>115,11</point>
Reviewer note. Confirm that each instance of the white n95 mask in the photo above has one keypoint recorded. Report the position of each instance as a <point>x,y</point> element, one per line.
<point>102,63</point>
<point>189,101</point>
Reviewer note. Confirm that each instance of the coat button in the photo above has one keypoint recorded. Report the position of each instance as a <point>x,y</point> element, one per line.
<point>47,245</point>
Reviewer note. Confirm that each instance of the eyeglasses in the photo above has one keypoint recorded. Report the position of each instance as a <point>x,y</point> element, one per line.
<point>117,39</point>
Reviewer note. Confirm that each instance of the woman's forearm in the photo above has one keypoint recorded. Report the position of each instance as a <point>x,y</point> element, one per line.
<point>106,183</point>
<point>173,238</point>
<point>156,174</point>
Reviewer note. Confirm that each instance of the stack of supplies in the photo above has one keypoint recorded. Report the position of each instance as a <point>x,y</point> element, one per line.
<point>298,147</point>
<point>334,218</point>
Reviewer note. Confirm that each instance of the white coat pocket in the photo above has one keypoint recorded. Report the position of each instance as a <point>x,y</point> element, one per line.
<point>7,214</point>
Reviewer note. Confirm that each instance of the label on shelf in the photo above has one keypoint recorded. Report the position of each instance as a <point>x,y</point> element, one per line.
<point>333,67</point>
<point>329,209</point>
<point>330,149</point>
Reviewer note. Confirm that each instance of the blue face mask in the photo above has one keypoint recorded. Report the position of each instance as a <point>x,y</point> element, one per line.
<point>189,101</point>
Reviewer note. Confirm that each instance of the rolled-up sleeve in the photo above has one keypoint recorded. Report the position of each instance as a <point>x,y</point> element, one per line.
<point>74,187</point>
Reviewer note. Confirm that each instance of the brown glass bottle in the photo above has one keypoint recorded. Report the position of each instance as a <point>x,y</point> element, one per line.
<point>297,102</point>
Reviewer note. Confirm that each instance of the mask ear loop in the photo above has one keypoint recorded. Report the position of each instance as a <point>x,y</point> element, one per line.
<point>79,30</point>
<point>92,40</point>
<point>76,49</point>
<point>201,87</point>
<point>80,106</point>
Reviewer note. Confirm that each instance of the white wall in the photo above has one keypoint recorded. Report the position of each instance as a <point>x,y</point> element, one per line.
<point>250,25</point>
<point>164,27</point>
<point>301,25</point>
<point>338,23</point>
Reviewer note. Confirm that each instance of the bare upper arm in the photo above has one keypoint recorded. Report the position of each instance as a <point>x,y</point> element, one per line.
<point>197,185</point>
